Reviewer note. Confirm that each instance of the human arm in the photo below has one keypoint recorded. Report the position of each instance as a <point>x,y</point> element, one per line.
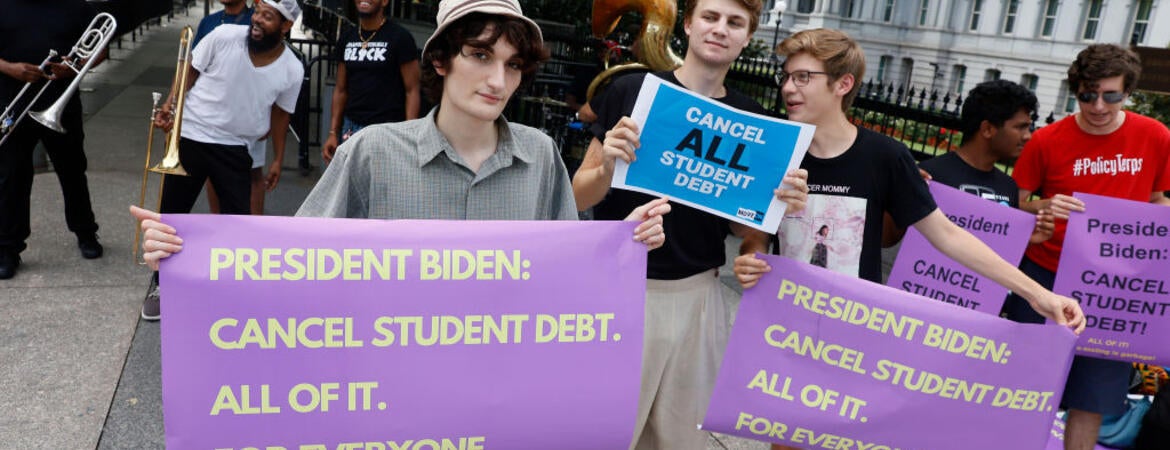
<point>747,267</point>
<point>1159,198</point>
<point>650,231</point>
<point>410,83</point>
<point>26,72</point>
<point>1060,205</point>
<point>969,251</point>
<point>591,182</point>
<point>277,130</point>
<point>159,240</point>
<point>336,114</point>
<point>1045,226</point>
<point>165,117</point>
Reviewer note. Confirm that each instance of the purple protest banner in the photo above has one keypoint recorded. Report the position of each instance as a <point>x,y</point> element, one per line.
<point>304,333</point>
<point>1114,264</point>
<point>923,270</point>
<point>824,360</point>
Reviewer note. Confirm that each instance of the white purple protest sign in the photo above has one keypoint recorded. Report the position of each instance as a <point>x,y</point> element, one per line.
<point>712,157</point>
<point>1114,264</point>
<point>824,360</point>
<point>304,333</point>
<point>921,269</point>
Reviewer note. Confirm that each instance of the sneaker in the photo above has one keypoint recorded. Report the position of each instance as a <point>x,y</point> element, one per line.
<point>150,305</point>
<point>89,245</point>
<point>8,263</point>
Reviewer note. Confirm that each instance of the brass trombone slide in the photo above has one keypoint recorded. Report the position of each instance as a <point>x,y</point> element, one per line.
<point>87,48</point>
<point>170,162</point>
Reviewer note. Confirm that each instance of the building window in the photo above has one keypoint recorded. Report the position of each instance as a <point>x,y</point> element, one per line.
<point>1068,102</point>
<point>923,8</point>
<point>1048,22</point>
<point>848,8</point>
<point>976,11</point>
<point>958,75</point>
<point>907,72</point>
<point>883,66</point>
<point>1092,19</point>
<point>1030,81</point>
<point>888,11</point>
<point>1009,18</point>
<point>1141,21</point>
<point>991,75</point>
<point>805,6</point>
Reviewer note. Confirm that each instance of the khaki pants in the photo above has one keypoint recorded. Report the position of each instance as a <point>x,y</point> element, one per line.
<point>686,333</point>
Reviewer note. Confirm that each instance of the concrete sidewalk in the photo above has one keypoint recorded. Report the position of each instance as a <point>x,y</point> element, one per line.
<point>78,369</point>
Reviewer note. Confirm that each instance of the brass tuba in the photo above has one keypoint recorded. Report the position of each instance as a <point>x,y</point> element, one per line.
<point>653,45</point>
<point>87,48</point>
<point>170,163</point>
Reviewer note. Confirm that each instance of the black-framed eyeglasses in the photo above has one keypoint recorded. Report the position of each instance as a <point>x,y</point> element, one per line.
<point>799,78</point>
<point>1111,97</point>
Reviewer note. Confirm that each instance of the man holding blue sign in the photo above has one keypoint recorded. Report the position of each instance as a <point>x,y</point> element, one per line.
<point>686,323</point>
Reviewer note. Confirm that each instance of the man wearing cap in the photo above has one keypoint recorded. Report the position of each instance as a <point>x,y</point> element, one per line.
<point>686,319</point>
<point>243,84</point>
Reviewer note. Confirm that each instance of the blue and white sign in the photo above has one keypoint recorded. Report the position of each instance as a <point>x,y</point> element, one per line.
<point>710,156</point>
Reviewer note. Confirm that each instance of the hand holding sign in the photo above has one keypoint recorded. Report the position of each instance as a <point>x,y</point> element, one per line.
<point>621,142</point>
<point>709,156</point>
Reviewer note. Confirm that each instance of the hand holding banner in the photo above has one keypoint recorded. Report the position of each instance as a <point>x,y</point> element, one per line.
<point>921,269</point>
<point>825,360</point>
<point>304,333</point>
<point>1114,265</point>
<point>710,156</point>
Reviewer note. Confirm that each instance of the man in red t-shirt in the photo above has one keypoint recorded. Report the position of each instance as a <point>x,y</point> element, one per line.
<point>1101,150</point>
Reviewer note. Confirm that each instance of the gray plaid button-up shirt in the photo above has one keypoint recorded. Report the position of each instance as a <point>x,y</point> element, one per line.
<point>408,170</point>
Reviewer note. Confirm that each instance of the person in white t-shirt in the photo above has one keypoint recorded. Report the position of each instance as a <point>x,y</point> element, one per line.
<point>242,85</point>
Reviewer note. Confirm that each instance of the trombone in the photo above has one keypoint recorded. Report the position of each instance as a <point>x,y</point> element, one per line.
<point>87,47</point>
<point>170,163</point>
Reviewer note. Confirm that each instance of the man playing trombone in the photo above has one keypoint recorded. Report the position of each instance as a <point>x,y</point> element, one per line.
<point>29,29</point>
<point>243,83</point>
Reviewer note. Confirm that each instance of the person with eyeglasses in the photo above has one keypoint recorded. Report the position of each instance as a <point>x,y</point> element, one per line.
<point>686,317</point>
<point>1068,156</point>
<point>856,176</point>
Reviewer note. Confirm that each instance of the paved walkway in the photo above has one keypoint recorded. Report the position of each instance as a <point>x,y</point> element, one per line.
<point>78,369</point>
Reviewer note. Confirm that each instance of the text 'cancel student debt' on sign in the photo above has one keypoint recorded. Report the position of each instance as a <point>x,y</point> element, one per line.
<point>824,360</point>
<point>307,334</point>
<point>710,156</point>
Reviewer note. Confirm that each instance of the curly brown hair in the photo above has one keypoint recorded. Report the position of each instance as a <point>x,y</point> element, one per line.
<point>466,31</point>
<point>1100,61</point>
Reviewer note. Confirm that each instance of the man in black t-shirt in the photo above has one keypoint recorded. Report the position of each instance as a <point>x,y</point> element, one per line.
<point>996,122</point>
<point>28,30</point>
<point>686,319</point>
<point>856,175</point>
<point>377,77</point>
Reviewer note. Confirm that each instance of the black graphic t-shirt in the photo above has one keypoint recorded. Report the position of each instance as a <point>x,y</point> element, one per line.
<point>951,170</point>
<point>841,227</point>
<point>694,239</point>
<point>375,93</point>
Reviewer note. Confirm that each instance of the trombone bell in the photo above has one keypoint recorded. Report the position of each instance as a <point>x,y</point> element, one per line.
<point>51,116</point>
<point>170,162</point>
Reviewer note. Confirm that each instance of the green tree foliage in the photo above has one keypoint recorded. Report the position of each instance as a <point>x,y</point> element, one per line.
<point>1151,104</point>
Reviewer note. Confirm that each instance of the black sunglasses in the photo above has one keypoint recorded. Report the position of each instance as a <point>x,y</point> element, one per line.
<point>1111,97</point>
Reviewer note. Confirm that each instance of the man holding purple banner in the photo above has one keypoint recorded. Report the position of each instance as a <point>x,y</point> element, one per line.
<point>997,122</point>
<point>463,161</point>
<point>1100,150</point>
<point>686,320</point>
